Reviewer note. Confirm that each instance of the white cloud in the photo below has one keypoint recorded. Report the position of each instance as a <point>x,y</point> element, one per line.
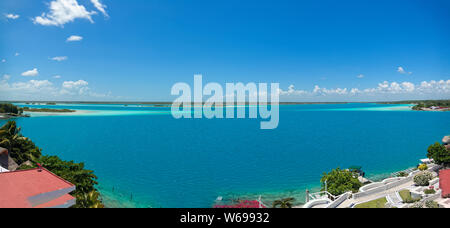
<point>324,91</point>
<point>360,76</point>
<point>383,91</point>
<point>79,87</point>
<point>33,89</point>
<point>59,58</point>
<point>291,91</point>
<point>12,16</point>
<point>17,54</point>
<point>3,60</point>
<point>62,12</point>
<point>74,38</point>
<point>6,77</point>
<point>402,70</point>
<point>75,84</point>
<point>46,90</point>
<point>31,73</point>
<point>57,76</point>
<point>100,7</point>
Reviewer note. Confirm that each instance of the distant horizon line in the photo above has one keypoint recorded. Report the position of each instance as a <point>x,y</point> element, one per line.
<point>167,102</point>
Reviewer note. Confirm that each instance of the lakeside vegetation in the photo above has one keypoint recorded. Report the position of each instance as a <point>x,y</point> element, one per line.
<point>27,109</point>
<point>25,153</point>
<point>440,154</point>
<point>10,109</point>
<point>338,182</point>
<point>422,105</point>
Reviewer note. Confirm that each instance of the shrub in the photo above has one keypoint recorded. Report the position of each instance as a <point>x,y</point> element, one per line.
<point>242,204</point>
<point>411,200</point>
<point>429,191</point>
<point>402,174</point>
<point>417,205</point>
<point>431,204</point>
<point>423,167</point>
<point>439,154</point>
<point>339,181</point>
<point>423,178</point>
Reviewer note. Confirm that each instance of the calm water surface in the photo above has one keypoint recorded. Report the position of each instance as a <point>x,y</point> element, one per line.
<point>144,157</point>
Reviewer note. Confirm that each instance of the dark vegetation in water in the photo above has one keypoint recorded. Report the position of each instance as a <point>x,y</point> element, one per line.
<point>27,109</point>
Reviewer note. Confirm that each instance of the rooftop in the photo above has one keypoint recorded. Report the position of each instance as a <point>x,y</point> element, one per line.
<point>34,188</point>
<point>444,182</point>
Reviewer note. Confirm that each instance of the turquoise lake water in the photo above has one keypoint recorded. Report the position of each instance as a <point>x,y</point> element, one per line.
<point>146,158</point>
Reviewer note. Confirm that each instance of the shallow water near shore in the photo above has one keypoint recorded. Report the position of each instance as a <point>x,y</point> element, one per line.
<point>146,158</point>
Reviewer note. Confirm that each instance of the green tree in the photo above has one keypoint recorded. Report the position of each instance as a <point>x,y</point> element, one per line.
<point>439,154</point>
<point>423,178</point>
<point>283,203</point>
<point>22,149</point>
<point>340,181</point>
<point>10,108</point>
<point>75,173</point>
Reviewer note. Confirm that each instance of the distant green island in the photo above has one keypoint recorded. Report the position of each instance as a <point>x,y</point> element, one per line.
<point>27,109</point>
<point>425,105</point>
<point>8,111</point>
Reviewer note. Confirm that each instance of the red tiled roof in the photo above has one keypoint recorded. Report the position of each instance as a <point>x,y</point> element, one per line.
<point>444,182</point>
<point>16,188</point>
<point>56,202</point>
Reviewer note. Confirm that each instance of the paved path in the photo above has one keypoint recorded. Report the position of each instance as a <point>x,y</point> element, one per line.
<point>375,196</point>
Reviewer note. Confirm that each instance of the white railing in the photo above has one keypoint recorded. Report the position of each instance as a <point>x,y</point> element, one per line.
<point>319,195</point>
<point>340,200</point>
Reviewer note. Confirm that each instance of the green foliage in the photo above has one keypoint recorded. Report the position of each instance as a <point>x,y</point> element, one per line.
<point>283,203</point>
<point>23,149</point>
<point>423,178</point>
<point>430,103</point>
<point>378,203</point>
<point>410,200</point>
<point>423,167</point>
<point>429,191</point>
<point>431,204</point>
<point>340,181</point>
<point>75,173</point>
<point>406,197</point>
<point>402,174</point>
<point>417,205</point>
<point>439,154</point>
<point>10,108</point>
<point>27,109</point>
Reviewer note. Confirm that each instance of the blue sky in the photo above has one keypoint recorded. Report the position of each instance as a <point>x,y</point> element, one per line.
<point>136,50</point>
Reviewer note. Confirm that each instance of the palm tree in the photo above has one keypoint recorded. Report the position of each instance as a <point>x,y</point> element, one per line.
<point>20,149</point>
<point>283,203</point>
<point>9,134</point>
<point>89,200</point>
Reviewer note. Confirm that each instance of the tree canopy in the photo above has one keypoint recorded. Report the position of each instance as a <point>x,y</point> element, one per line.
<point>22,149</point>
<point>439,154</point>
<point>339,181</point>
<point>10,108</point>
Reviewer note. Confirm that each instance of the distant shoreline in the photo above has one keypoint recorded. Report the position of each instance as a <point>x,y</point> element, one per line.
<point>169,103</point>
<point>47,110</point>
